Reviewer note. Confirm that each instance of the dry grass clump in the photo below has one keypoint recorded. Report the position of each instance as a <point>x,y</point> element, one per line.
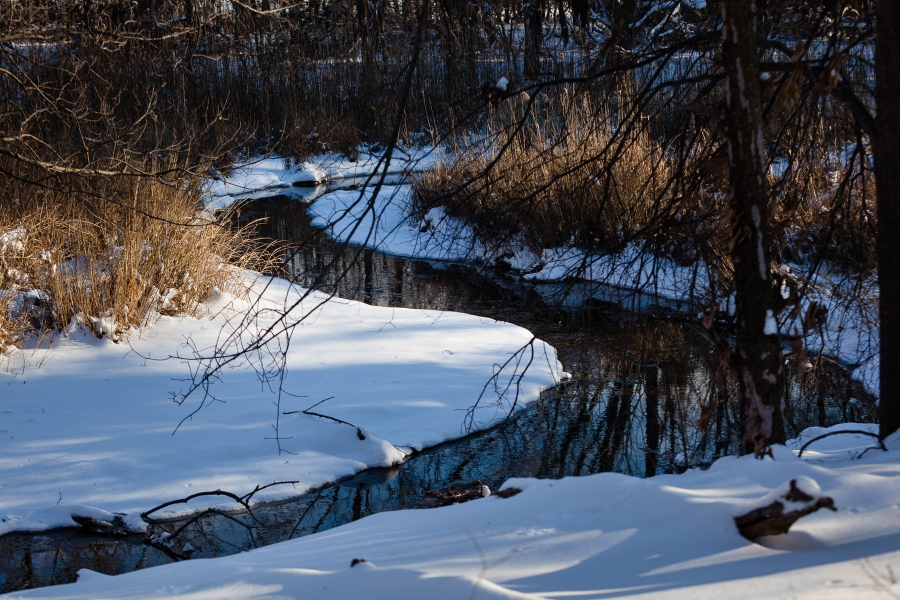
<point>549,174</point>
<point>826,207</point>
<point>113,261</point>
<point>558,171</point>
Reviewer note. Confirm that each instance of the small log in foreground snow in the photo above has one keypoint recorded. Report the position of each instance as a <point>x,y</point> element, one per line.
<point>472,491</point>
<point>780,509</point>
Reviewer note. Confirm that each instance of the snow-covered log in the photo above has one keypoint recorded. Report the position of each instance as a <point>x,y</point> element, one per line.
<point>782,508</point>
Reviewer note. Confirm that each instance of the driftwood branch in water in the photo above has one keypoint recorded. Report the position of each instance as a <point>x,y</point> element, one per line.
<point>772,518</point>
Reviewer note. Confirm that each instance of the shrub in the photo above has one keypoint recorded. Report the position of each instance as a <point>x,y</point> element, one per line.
<point>133,250</point>
<point>554,172</point>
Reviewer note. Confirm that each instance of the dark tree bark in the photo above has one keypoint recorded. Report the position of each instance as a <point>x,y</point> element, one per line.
<point>651,390</point>
<point>581,12</point>
<point>453,62</point>
<point>757,357</point>
<point>534,37</point>
<point>887,181</point>
<point>563,22</point>
<point>362,20</point>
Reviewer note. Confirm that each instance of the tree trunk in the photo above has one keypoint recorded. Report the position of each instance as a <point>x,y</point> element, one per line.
<point>362,21</point>
<point>887,181</point>
<point>651,391</point>
<point>563,22</point>
<point>757,356</point>
<point>581,11</point>
<point>534,37</point>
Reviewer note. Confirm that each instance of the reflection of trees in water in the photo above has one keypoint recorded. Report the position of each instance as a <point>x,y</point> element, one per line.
<point>646,398</point>
<point>639,386</point>
<point>28,561</point>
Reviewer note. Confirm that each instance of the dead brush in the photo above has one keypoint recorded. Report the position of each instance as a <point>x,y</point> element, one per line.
<point>550,173</point>
<point>825,207</point>
<point>115,260</point>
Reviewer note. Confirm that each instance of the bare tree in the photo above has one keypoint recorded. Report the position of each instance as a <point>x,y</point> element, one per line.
<point>887,155</point>
<point>534,36</point>
<point>757,352</point>
<point>748,115</point>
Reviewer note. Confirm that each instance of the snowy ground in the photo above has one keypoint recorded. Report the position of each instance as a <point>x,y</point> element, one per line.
<point>602,536</point>
<point>88,425</point>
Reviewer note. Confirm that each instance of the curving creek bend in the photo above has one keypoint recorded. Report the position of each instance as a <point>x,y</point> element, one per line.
<point>639,382</point>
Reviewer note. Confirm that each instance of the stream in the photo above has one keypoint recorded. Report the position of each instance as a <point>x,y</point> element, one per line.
<point>639,385</point>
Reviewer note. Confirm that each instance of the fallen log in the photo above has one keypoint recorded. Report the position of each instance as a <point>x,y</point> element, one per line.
<point>462,492</point>
<point>116,526</point>
<point>778,514</point>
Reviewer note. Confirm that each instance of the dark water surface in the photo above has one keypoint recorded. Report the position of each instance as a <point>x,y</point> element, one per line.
<point>639,385</point>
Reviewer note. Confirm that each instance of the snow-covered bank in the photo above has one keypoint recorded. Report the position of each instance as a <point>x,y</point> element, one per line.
<point>849,335</point>
<point>89,424</point>
<point>602,536</point>
<point>267,176</point>
<point>383,223</point>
